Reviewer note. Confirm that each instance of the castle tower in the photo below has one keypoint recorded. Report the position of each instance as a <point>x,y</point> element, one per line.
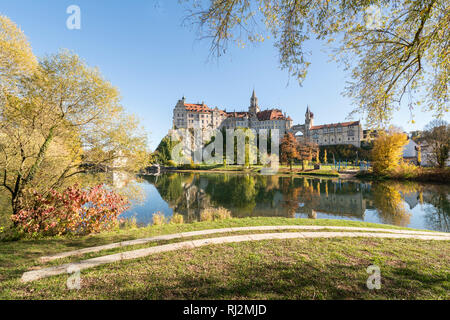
<point>309,118</point>
<point>254,108</point>
<point>309,122</point>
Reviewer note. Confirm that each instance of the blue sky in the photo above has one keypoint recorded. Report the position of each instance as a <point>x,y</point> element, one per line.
<point>143,49</point>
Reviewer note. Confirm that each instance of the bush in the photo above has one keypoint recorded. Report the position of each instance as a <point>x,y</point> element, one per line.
<point>158,219</point>
<point>127,223</point>
<point>171,163</point>
<point>405,171</point>
<point>213,214</point>
<point>74,211</point>
<point>190,166</point>
<point>177,219</point>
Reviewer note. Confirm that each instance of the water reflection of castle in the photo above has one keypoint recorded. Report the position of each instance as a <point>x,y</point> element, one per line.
<point>255,195</point>
<point>263,196</point>
<point>342,204</point>
<point>346,199</point>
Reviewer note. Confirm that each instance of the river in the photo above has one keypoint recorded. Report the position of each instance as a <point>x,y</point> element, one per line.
<point>406,204</point>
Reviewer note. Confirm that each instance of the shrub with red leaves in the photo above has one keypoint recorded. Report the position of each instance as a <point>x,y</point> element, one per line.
<point>74,211</point>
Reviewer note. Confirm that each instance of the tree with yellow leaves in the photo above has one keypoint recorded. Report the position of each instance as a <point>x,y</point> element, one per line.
<point>59,118</point>
<point>391,49</point>
<point>387,150</point>
<point>16,56</point>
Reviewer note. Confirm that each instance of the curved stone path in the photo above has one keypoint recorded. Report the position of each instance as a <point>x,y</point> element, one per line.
<point>227,230</point>
<point>140,253</point>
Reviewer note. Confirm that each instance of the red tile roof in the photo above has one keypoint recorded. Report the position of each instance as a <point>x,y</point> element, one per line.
<point>335,125</point>
<point>242,114</point>
<point>197,107</point>
<point>271,114</point>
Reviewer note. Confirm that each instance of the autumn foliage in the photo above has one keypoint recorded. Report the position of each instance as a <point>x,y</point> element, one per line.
<point>74,211</point>
<point>387,152</point>
<point>289,146</point>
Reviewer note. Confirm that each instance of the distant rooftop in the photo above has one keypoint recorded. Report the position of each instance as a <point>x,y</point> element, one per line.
<point>336,125</point>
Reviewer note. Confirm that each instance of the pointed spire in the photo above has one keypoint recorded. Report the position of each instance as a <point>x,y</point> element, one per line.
<point>253,94</point>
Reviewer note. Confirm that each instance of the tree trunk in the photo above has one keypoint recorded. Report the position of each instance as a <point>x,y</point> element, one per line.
<point>16,197</point>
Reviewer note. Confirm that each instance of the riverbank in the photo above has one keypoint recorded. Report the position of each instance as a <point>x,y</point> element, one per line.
<point>281,171</point>
<point>270,269</point>
<point>419,174</point>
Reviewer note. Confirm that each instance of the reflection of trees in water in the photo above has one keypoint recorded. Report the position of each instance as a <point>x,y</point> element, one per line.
<point>252,195</point>
<point>306,196</point>
<point>170,185</point>
<point>182,192</point>
<point>390,204</point>
<point>333,197</point>
<point>438,215</point>
<point>390,199</point>
<point>256,195</point>
<point>236,193</point>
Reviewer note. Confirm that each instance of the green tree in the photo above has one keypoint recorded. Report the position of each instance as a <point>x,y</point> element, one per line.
<point>163,153</point>
<point>391,48</point>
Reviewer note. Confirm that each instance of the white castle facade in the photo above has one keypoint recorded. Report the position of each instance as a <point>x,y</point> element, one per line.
<point>330,134</point>
<point>199,115</point>
<point>187,115</point>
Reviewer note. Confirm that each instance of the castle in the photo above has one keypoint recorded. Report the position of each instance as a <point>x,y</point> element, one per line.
<point>330,134</point>
<point>188,115</point>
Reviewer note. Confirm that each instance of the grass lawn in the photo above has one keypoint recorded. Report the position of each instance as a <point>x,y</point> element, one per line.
<point>320,172</point>
<point>272,269</point>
